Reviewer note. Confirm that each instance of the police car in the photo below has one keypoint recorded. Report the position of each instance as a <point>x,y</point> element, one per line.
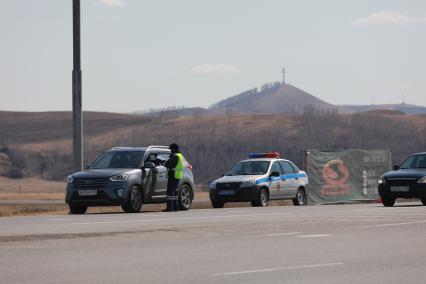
<point>262,177</point>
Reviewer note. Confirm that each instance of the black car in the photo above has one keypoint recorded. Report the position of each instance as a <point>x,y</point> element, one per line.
<point>127,177</point>
<point>405,181</point>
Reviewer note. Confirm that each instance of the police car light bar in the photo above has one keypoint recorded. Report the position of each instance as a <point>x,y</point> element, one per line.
<point>264,155</point>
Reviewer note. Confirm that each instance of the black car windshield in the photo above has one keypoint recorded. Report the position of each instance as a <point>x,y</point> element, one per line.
<point>118,160</point>
<point>249,168</point>
<point>415,162</point>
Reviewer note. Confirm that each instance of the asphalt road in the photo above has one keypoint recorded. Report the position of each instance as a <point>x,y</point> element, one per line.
<point>315,244</point>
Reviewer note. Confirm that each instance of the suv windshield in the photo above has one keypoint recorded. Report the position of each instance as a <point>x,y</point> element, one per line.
<point>414,162</point>
<point>118,160</point>
<point>249,168</point>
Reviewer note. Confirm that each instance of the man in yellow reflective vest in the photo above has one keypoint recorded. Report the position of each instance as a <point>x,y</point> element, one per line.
<point>175,172</point>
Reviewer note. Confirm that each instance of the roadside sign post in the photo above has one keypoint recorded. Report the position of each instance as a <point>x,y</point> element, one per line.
<point>76,92</point>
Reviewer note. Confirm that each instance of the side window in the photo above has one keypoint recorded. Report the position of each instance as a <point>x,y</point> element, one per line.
<point>296,169</point>
<point>288,169</point>
<point>276,168</point>
<point>152,156</point>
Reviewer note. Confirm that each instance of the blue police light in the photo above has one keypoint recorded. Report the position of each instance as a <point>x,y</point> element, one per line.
<point>264,155</point>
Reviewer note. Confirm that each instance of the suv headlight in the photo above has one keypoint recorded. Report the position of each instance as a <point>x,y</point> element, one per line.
<point>381,180</point>
<point>121,177</point>
<point>248,183</point>
<point>70,179</point>
<point>422,180</point>
<point>213,185</point>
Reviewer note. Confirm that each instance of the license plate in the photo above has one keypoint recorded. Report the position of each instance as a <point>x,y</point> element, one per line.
<point>400,188</point>
<point>87,192</point>
<point>226,192</point>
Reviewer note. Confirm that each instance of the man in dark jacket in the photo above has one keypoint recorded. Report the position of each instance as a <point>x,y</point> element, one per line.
<point>175,168</point>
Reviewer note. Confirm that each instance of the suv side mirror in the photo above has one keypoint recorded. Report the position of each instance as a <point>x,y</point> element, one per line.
<point>148,165</point>
<point>395,167</point>
<point>275,174</point>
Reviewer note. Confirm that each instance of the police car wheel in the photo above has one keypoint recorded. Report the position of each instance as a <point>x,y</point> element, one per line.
<point>134,201</point>
<point>185,197</point>
<point>78,209</point>
<point>300,199</point>
<point>218,204</point>
<point>262,199</point>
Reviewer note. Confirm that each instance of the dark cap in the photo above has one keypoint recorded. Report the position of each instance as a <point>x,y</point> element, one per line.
<point>174,147</point>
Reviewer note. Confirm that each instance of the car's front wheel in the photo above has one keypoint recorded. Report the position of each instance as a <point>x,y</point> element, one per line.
<point>78,209</point>
<point>262,199</point>
<point>185,197</point>
<point>218,204</point>
<point>134,200</point>
<point>388,201</point>
<point>300,199</point>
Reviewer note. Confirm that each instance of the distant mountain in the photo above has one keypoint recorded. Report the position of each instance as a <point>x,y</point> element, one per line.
<point>405,108</point>
<point>272,98</point>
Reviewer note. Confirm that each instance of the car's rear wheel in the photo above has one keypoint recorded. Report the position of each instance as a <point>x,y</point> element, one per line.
<point>388,201</point>
<point>262,199</point>
<point>424,201</point>
<point>78,209</point>
<point>185,197</point>
<point>134,200</point>
<point>300,199</point>
<point>218,204</point>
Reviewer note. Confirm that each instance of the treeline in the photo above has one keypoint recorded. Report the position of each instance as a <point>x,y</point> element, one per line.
<point>213,144</point>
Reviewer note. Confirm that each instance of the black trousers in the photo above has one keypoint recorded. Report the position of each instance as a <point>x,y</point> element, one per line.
<point>172,194</point>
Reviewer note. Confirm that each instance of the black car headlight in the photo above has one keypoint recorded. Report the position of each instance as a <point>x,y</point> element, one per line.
<point>381,180</point>
<point>70,179</point>
<point>422,180</point>
<point>121,177</point>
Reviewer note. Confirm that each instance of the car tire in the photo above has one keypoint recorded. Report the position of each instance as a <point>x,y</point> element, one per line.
<point>424,201</point>
<point>262,199</point>
<point>218,204</point>
<point>388,201</point>
<point>300,199</point>
<point>78,209</point>
<point>134,200</point>
<point>185,197</point>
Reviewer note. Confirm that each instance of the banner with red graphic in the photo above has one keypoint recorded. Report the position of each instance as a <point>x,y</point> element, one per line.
<point>345,175</point>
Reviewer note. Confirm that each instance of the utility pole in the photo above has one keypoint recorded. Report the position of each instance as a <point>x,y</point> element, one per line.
<point>77,118</point>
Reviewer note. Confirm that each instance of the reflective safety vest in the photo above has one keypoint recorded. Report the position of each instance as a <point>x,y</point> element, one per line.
<point>179,166</point>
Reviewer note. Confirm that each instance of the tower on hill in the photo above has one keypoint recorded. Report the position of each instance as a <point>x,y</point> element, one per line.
<point>283,71</point>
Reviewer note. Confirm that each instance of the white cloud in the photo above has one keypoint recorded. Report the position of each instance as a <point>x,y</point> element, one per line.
<point>388,17</point>
<point>215,68</point>
<point>114,3</point>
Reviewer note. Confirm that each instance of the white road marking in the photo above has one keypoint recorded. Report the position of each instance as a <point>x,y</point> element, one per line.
<point>394,224</point>
<point>282,234</point>
<point>313,236</point>
<point>277,269</point>
<point>179,218</point>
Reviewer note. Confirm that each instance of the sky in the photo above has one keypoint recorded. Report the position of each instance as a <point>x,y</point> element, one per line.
<point>138,55</point>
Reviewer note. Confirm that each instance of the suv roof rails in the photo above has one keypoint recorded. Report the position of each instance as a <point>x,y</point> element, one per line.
<point>161,147</point>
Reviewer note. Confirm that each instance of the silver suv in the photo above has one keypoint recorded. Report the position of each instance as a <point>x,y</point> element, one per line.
<point>127,177</point>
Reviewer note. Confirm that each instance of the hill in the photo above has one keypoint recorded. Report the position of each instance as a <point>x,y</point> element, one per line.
<point>405,108</point>
<point>272,98</point>
<point>211,143</point>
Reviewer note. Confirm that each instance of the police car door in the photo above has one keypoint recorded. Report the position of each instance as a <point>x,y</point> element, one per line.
<point>275,181</point>
<point>290,181</point>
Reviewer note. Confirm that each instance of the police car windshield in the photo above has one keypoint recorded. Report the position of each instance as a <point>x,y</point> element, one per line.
<point>249,168</point>
<point>118,160</point>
